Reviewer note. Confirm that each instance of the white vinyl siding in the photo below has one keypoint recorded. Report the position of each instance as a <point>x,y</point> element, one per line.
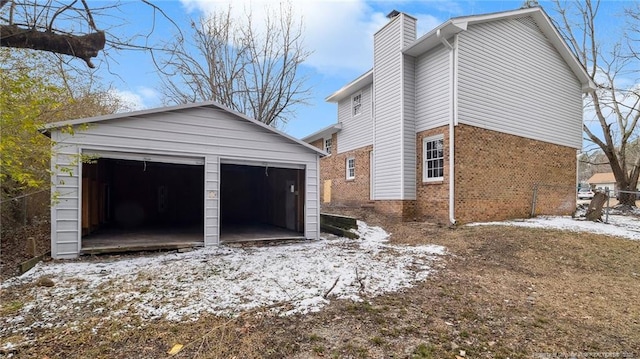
<point>387,77</point>
<point>206,133</point>
<point>394,126</point>
<point>409,29</point>
<point>433,82</point>
<point>409,129</point>
<point>357,131</point>
<point>211,205</point>
<point>511,79</point>
<point>65,222</point>
<point>433,159</point>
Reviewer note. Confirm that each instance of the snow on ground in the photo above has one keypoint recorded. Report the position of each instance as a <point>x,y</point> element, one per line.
<point>290,277</point>
<point>619,226</point>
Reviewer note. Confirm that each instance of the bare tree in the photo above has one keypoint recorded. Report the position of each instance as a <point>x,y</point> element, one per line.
<point>615,103</point>
<point>64,27</point>
<point>633,32</point>
<point>250,68</point>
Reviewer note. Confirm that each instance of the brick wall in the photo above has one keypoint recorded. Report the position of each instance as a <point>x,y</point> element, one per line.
<point>496,174</point>
<point>404,210</point>
<point>495,177</point>
<point>345,193</point>
<point>432,203</point>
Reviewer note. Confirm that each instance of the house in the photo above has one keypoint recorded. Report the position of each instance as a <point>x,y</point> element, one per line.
<point>461,124</point>
<point>187,175</point>
<point>603,181</point>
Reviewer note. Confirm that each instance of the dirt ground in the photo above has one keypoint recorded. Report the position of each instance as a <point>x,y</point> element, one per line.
<point>15,248</point>
<point>502,292</point>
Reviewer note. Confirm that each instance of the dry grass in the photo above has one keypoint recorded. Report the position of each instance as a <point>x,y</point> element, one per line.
<point>502,293</point>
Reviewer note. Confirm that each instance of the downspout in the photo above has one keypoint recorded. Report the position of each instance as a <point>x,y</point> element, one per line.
<point>452,123</point>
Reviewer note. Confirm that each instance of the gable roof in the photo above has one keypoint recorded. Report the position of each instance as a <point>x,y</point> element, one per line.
<point>458,24</point>
<point>606,177</point>
<point>323,133</point>
<point>207,104</point>
<point>346,90</point>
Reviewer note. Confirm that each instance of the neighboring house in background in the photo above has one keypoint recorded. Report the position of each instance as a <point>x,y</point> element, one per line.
<point>188,175</point>
<point>603,181</point>
<point>460,124</point>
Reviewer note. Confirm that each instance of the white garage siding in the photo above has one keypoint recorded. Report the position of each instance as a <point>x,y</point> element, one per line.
<point>211,205</point>
<point>65,211</point>
<point>194,132</point>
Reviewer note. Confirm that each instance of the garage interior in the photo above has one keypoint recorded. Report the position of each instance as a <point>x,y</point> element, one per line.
<point>130,205</point>
<point>261,203</point>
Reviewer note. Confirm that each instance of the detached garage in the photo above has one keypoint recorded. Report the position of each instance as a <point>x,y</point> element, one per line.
<point>182,176</point>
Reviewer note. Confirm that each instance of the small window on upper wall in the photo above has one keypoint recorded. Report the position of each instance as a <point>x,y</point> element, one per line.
<point>433,159</point>
<point>356,101</point>
<point>351,168</point>
<point>327,145</point>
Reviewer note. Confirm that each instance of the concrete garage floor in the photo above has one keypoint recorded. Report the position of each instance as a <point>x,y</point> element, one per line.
<point>114,241</point>
<point>255,232</point>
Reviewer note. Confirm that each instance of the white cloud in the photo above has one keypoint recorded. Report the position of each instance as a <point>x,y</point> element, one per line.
<point>426,23</point>
<point>140,99</point>
<point>340,33</point>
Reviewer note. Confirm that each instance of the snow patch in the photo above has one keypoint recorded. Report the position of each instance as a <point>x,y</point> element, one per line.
<point>289,278</point>
<point>618,226</point>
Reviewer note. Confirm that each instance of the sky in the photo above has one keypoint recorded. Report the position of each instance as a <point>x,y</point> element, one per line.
<point>339,33</point>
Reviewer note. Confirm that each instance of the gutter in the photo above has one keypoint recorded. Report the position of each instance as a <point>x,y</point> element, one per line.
<point>452,123</point>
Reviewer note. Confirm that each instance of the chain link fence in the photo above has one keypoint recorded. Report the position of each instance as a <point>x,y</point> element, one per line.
<point>553,199</point>
<point>612,201</point>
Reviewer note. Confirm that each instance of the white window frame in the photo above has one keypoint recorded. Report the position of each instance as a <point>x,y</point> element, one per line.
<point>327,149</point>
<point>426,160</point>
<point>356,104</point>
<point>350,170</point>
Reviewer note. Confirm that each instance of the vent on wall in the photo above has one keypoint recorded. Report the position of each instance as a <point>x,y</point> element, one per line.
<point>529,22</point>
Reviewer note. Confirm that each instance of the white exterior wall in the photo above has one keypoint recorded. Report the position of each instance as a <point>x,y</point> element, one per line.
<point>409,128</point>
<point>433,82</point>
<point>65,214</point>
<point>387,80</point>
<point>389,127</point>
<point>357,131</point>
<point>211,205</point>
<point>210,134</point>
<point>512,80</point>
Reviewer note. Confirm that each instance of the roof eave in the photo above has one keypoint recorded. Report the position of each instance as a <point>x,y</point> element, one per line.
<point>351,87</point>
<point>323,133</point>
<point>430,40</point>
<point>211,104</point>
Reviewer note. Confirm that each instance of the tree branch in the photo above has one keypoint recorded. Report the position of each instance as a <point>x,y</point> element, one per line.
<point>84,47</point>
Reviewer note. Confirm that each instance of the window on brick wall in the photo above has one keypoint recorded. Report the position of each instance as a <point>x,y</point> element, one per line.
<point>351,168</point>
<point>356,102</point>
<point>433,159</point>
<point>327,145</point>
